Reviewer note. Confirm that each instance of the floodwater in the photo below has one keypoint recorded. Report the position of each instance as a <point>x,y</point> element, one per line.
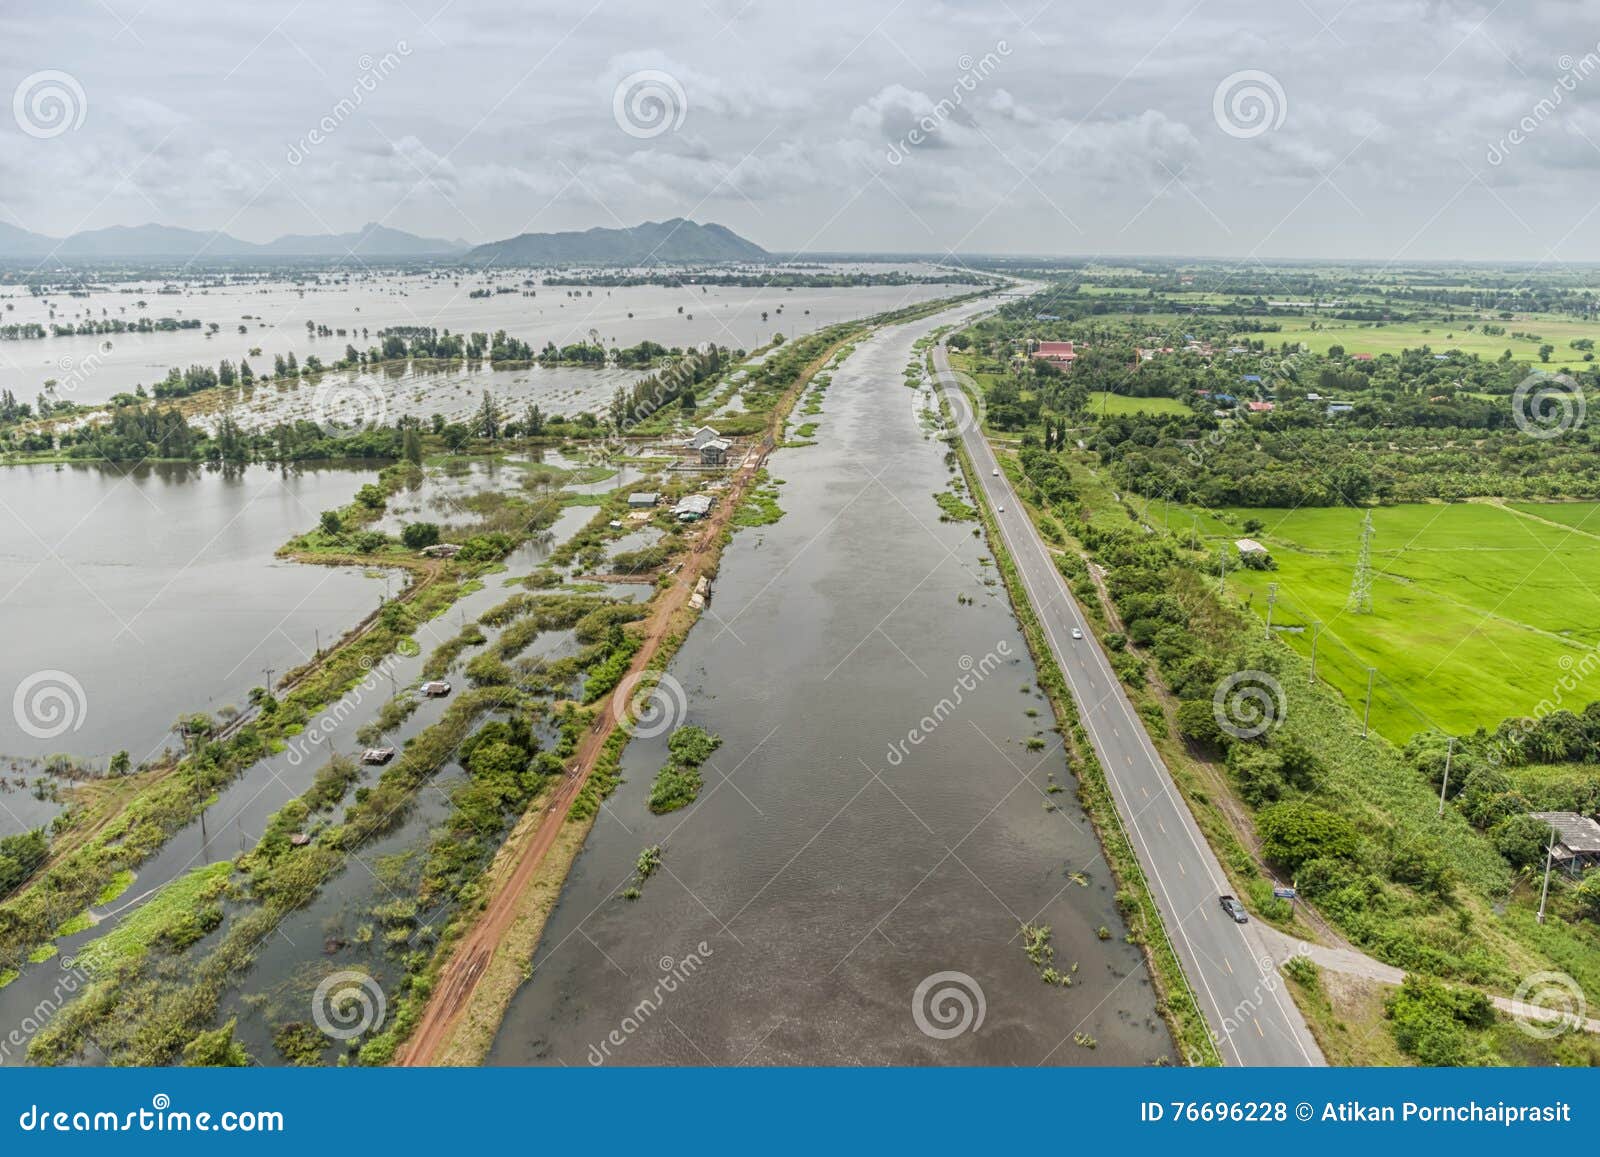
<point>236,819</point>
<point>272,316</point>
<point>832,898</point>
<point>129,596</point>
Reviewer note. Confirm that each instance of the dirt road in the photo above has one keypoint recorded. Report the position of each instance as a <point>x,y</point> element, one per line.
<point>472,956</point>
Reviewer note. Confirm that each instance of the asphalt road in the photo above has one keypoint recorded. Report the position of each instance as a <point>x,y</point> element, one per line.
<point>1228,965</point>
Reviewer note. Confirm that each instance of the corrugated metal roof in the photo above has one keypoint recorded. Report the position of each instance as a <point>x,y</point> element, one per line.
<point>1575,832</point>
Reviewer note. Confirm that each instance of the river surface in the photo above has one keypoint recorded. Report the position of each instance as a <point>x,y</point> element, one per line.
<point>273,317</point>
<point>131,595</point>
<point>838,890</point>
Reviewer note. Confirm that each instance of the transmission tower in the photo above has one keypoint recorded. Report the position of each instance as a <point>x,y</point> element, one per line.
<point>1361,585</point>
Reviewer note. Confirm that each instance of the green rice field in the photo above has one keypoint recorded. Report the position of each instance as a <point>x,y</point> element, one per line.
<point>1480,611</point>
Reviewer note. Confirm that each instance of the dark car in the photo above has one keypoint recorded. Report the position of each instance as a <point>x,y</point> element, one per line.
<point>1235,910</point>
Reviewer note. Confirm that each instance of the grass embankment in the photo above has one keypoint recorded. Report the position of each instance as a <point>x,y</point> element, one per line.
<point>1352,822</point>
<point>117,843</point>
<point>471,1036</point>
<point>1175,1000</point>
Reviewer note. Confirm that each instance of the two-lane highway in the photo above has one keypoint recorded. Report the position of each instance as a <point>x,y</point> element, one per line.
<point>1228,966</point>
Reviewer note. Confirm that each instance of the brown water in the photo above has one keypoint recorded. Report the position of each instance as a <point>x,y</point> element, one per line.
<point>830,866</point>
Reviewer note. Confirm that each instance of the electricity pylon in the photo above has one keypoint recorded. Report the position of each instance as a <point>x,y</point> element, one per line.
<point>1360,601</point>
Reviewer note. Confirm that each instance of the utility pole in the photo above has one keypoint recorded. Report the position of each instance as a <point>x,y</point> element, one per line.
<point>1366,718</point>
<point>1549,854</point>
<point>1445,786</point>
<point>1222,569</point>
<point>1360,601</point>
<point>1316,629</point>
<point>1272,599</point>
<point>1194,532</point>
<point>268,671</point>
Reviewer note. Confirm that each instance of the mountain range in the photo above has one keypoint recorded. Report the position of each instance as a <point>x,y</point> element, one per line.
<point>659,242</point>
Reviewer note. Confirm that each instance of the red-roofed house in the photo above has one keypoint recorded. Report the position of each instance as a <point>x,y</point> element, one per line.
<point>1260,407</point>
<point>1057,353</point>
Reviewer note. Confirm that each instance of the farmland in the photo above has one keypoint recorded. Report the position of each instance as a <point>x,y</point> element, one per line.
<point>1478,608</point>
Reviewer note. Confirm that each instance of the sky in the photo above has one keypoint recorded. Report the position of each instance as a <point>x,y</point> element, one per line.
<point>1391,130</point>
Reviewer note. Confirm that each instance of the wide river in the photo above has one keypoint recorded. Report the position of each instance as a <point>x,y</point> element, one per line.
<point>841,894</point>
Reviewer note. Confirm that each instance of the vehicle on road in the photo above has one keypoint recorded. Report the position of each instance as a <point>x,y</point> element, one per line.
<point>995,471</point>
<point>1077,634</point>
<point>1235,910</point>
<point>999,509</point>
<point>435,688</point>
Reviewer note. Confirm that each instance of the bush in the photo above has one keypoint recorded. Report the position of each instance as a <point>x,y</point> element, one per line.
<point>1432,1022</point>
<point>418,535</point>
<point>1295,833</point>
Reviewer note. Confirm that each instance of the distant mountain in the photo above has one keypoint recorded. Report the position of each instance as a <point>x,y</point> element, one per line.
<point>371,240</point>
<point>120,242</point>
<point>653,243</point>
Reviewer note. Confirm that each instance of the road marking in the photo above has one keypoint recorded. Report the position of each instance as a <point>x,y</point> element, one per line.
<point>1228,962</point>
<point>1116,732</point>
<point>1257,1023</point>
<point>1162,826</point>
<point>1182,869</point>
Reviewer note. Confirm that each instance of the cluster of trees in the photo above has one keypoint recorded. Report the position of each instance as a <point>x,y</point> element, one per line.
<point>20,856</point>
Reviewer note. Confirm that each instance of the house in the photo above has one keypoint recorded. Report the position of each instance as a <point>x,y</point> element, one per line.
<point>1339,408</point>
<point>643,499</point>
<point>1259,407</point>
<point>701,436</point>
<point>1363,357</point>
<point>1576,846</point>
<point>715,452</point>
<point>1249,546</point>
<point>1057,353</point>
<point>442,550</point>
<point>435,688</point>
<point>377,756</point>
<point>693,507</point>
<point>1250,377</point>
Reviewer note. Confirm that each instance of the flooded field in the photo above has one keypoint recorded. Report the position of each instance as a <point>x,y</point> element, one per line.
<point>132,595</point>
<point>279,318</point>
<point>841,892</point>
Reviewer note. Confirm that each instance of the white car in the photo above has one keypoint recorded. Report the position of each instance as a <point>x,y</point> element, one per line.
<point>995,471</point>
<point>999,509</point>
<point>1077,634</point>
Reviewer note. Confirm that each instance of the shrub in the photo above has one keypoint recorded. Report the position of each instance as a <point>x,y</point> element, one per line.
<point>1295,833</point>
<point>417,535</point>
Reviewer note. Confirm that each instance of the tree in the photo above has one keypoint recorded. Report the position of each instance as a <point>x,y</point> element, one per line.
<point>411,446</point>
<point>487,422</point>
<point>120,763</point>
<point>1521,840</point>
<point>533,421</point>
<point>1197,720</point>
<point>217,1049</point>
<point>418,535</point>
<point>1294,832</point>
<point>331,522</point>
